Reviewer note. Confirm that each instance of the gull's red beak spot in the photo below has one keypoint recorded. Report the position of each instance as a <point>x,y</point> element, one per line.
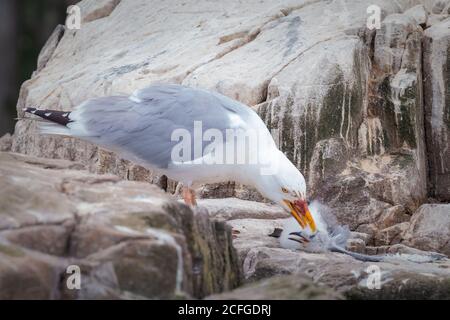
<point>300,211</point>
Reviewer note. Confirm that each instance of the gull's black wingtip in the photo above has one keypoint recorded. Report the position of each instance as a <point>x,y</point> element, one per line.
<point>29,109</point>
<point>59,117</point>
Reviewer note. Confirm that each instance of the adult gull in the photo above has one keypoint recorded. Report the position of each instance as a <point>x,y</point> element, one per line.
<point>191,135</point>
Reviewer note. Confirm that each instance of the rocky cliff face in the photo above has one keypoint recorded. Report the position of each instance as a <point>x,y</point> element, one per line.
<point>364,114</point>
<point>405,276</point>
<point>343,101</point>
<point>132,241</point>
<point>129,239</point>
<point>436,66</point>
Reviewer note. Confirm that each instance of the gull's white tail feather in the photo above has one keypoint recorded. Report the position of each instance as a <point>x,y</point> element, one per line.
<point>53,129</point>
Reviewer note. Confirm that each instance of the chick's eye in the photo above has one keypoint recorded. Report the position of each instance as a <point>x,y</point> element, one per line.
<point>285,190</point>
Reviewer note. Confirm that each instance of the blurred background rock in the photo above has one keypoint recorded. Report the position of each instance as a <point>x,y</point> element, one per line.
<point>25,25</point>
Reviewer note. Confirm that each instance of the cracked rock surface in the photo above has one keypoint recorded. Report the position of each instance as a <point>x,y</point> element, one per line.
<point>405,275</point>
<point>129,239</point>
<point>133,241</point>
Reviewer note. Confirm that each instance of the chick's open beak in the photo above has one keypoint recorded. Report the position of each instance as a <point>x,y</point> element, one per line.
<point>299,210</point>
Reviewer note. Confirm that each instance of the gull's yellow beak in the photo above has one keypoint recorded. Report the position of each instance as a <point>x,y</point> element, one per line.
<point>299,210</point>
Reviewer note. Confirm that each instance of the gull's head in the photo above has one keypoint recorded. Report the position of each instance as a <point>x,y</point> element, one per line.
<point>287,187</point>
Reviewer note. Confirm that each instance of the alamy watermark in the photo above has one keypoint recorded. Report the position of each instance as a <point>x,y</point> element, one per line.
<point>73,281</point>
<point>73,20</point>
<point>231,146</point>
<point>374,18</point>
<point>374,277</point>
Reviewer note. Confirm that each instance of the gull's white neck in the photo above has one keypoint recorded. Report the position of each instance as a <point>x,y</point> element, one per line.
<point>276,174</point>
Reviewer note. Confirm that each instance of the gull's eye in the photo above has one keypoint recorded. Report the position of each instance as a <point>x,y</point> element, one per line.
<point>284,190</point>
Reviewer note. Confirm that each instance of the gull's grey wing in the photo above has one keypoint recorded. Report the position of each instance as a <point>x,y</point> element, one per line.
<point>142,125</point>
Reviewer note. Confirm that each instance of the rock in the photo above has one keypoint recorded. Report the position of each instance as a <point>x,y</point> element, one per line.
<point>94,10</point>
<point>217,190</point>
<point>347,275</point>
<point>391,235</point>
<point>436,59</point>
<point>41,207</point>
<point>249,193</point>
<point>256,232</point>
<point>396,124</point>
<point>48,239</point>
<point>364,192</point>
<point>393,216</point>
<point>356,245</point>
<point>439,6</point>
<point>290,287</point>
<point>360,235</point>
<point>369,229</point>
<point>371,250</point>
<point>302,125</point>
<point>430,228</point>
<point>404,286</point>
<point>136,262</point>
<point>328,160</point>
<point>401,248</point>
<point>401,277</point>
<point>25,275</point>
<point>418,13</point>
<point>233,208</point>
<point>128,238</point>
<point>229,190</point>
<point>5,142</point>
<point>391,40</point>
<point>360,155</point>
<point>49,48</point>
<point>435,19</point>
<point>389,166</point>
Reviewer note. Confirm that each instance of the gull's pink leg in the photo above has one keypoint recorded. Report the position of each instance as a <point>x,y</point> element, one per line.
<point>189,196</point>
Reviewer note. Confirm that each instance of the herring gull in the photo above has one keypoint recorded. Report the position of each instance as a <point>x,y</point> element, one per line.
<point>191,135</point>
